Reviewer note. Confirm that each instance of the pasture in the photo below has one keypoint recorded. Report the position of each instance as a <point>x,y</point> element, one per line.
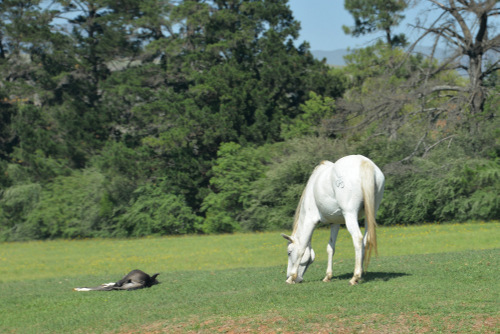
<point>428,278</point>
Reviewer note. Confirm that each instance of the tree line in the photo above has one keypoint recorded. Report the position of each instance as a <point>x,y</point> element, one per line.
<point>136,118</point>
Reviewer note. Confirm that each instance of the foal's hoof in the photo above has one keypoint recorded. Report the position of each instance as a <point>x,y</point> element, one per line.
<point>327,279</point>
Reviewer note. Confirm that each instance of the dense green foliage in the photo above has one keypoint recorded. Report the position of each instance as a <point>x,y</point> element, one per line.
<point>377,15</point>
<point>205,117</point>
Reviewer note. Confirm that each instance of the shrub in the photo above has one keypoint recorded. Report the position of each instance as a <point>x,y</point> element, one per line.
<point>232,174</point>
<point>153,211</point>
<point>432,191</point>
<point>14,203</point>
<point>69,207</point>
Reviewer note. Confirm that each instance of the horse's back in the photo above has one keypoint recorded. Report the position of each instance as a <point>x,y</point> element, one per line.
<point>349,167</point>
<point>350,162</point>
<point>337,186</point>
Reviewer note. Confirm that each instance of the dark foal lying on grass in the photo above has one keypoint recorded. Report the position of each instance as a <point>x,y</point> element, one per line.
<point>136,279</point>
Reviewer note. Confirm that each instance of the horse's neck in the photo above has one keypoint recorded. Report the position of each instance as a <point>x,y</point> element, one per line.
<point>308,215</point>
<point>306,220</point>
<point>303,234</point>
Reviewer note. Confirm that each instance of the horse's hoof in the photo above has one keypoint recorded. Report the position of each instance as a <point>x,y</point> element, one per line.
<point>327,279</point>
<point>354,281</point>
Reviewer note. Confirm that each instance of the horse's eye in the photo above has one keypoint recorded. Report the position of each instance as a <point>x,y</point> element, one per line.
<point>289,253</point>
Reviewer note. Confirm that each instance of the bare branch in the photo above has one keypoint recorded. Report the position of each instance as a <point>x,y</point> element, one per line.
<point>435,144</point>
<point>440,5</point>
<point>412,154</point>
<point>446,88</point>
<point>459,18</point>
<point>492,43</point>
<point>471,40</point>
<point>450,35</point>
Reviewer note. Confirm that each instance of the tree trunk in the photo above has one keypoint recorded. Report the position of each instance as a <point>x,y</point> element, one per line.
<point>478,96</point>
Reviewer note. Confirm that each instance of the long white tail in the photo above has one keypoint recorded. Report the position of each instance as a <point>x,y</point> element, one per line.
<point>368,188</point>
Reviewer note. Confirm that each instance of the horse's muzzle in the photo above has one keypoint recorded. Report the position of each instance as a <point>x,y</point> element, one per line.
<point>290,280</point>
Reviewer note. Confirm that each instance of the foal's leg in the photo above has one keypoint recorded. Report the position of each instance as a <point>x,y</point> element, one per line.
<point>351,221</point>
<point>330,250</point>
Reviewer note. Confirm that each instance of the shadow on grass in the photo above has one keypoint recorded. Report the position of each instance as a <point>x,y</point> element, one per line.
<point>373,276</point>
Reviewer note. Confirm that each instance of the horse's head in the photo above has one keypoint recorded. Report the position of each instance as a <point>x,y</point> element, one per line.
<point>293,259</point>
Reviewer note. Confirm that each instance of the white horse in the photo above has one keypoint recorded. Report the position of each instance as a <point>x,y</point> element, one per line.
<point>335,194</point>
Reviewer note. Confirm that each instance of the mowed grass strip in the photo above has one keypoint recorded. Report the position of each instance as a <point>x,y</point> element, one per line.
<point>456,290</point>
<point>449,292</point>
<point>111,257</point>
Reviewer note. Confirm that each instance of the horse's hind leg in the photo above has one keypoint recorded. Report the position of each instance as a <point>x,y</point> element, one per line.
<point>330,250</point>
<point>357,239</point>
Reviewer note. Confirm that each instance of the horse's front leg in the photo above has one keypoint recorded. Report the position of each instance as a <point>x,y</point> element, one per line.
<point>357,240</point>
<point>330,250</point>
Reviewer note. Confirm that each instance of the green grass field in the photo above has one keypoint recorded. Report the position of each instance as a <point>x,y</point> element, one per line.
<point>429,278</point>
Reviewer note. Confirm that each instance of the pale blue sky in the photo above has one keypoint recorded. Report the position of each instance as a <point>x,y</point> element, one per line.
<point>322,20</point>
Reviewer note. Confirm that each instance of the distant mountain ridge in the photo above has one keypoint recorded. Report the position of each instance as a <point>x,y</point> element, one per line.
<point>335,57</point>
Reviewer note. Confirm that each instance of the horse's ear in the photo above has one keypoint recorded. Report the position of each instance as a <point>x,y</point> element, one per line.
<point>287,237</point>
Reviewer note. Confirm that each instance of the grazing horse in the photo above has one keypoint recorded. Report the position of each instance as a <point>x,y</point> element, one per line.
<point>336,193</point>
<point>136,279</point>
